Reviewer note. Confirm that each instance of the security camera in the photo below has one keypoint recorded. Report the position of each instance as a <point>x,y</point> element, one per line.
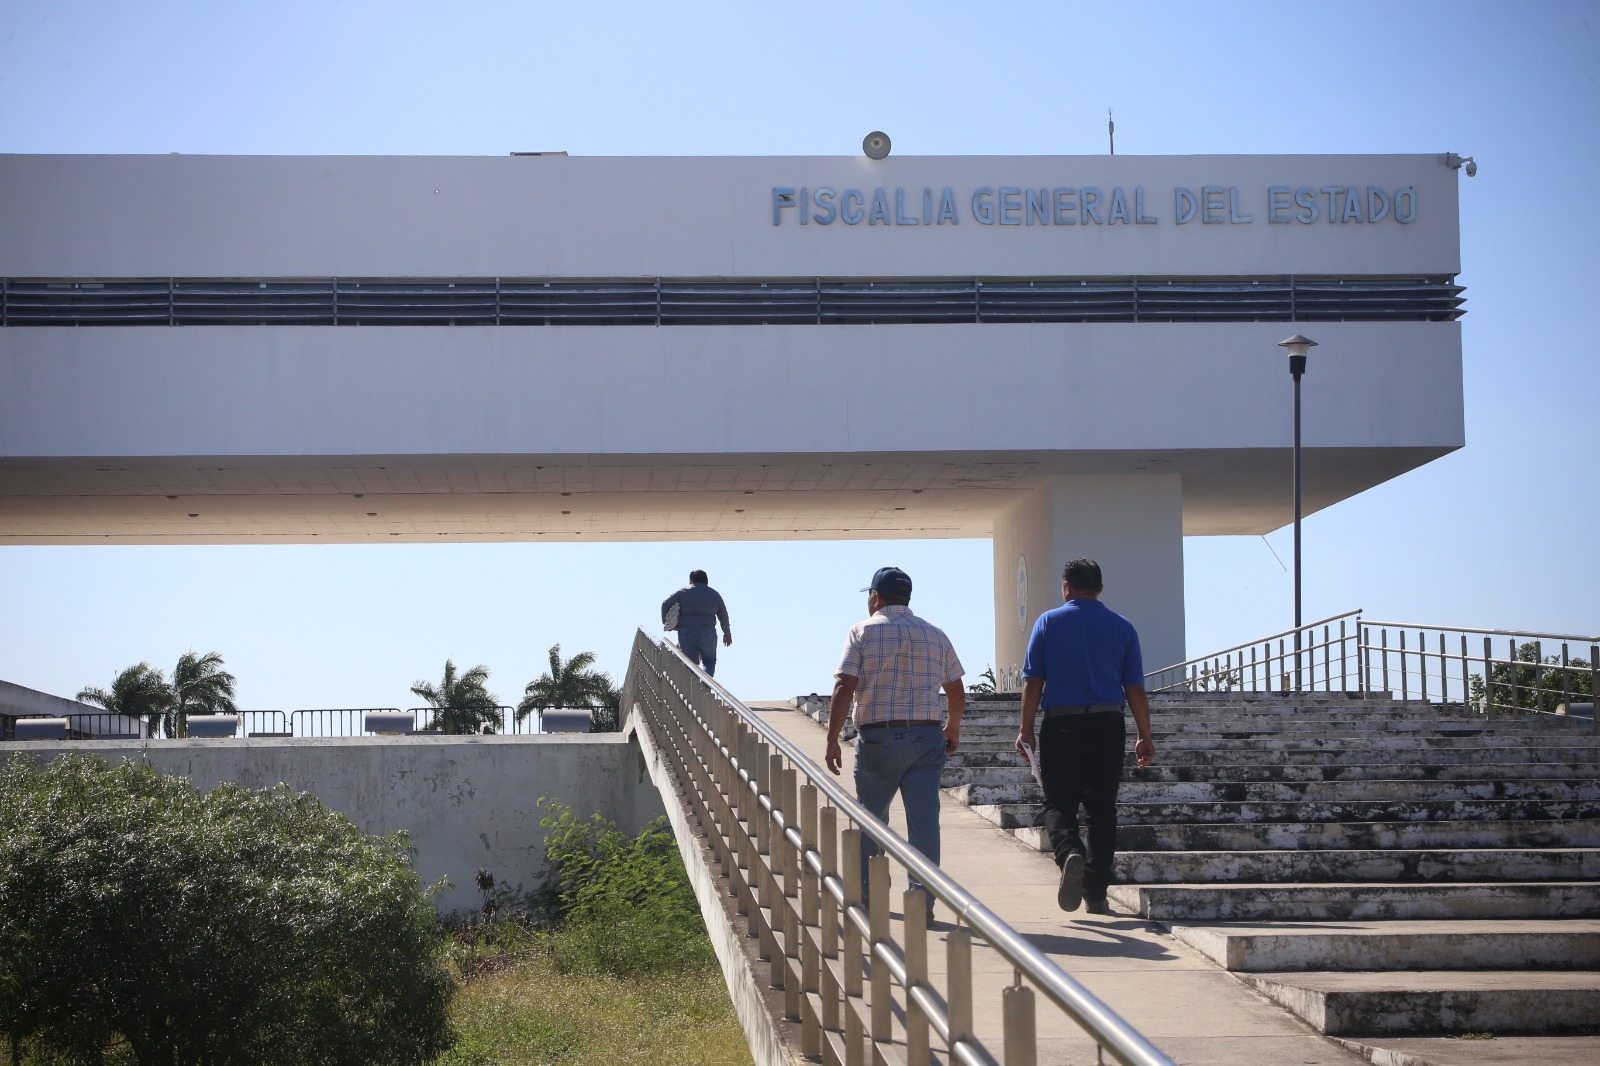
<point>1471,168</point>
<point>1461,162</point>
<point>876,145</point>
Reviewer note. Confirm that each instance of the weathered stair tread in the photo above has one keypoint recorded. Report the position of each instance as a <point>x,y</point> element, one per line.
<point>1360,902</point>
<point>1013,815</point>
<point>1546,788</point>
<point>1300,836</point>
<point>1565,944</point>
<point>1438,1000</point>
<point>1411,865</point>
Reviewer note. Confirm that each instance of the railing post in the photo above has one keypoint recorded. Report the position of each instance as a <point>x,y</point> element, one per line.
<point>1466,679</point>
<point>1594,689</point>
<point>1515,685</point>
<point>915,903</point>
<point>791,895</point>
<point>775,851</point>
<point>829,818</point>
<point>810,983</point>
<point>878,922</point>
<point>1021,1033</point>
<point>1488,679</point>
<point>958,973</point>
<point>1383,638</point>
<point>850,963</point>
<point>1538,677</point>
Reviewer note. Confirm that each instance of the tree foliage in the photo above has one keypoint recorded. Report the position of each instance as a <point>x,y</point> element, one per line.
<point>199,685</point>
<point>1534,682</point>
<point>574,683</point>
<point>141,691</point>
<point>187,928</point>
<point>462,703</point>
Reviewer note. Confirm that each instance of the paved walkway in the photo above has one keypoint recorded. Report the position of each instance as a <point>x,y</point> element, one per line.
<point>1195,1012</point>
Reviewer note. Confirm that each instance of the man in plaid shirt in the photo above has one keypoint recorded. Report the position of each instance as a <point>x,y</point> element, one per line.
<point>893,667</point>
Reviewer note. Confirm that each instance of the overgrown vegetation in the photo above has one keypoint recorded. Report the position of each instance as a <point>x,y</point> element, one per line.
<point>608,961</point>
<point>142,921</point>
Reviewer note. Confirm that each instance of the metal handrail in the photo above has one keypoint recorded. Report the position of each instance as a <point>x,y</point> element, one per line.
<point>1108,1029</point>
<point>1199,660</point>
<point>1573,638</point>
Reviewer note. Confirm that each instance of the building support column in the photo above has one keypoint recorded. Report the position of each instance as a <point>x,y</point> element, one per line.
<point>1131,524</point>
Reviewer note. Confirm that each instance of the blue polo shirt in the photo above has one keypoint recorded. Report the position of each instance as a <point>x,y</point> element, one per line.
<point>1085,652</point>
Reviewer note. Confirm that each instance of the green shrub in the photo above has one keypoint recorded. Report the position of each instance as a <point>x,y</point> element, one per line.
<point>623,904</point>
<point>231,927</point>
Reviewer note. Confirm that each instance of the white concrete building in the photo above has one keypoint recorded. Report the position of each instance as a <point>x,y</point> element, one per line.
<point>1071,355</point>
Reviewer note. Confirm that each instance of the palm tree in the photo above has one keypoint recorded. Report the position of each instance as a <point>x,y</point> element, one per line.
<point>139,692</point>
<point>199,686</point>
<point>574,683</point>
<point>462,704</point>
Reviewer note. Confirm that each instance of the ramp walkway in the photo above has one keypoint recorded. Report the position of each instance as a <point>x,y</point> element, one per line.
<point>1201,990</point>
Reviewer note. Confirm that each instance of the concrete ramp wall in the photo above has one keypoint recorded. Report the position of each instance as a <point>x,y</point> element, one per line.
<point>469,803</point>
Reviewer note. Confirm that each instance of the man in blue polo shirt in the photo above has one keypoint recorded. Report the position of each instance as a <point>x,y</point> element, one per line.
<point>1083,660</point>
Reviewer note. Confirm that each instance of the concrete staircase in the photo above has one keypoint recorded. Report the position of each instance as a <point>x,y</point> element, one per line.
<point>1375,866</point>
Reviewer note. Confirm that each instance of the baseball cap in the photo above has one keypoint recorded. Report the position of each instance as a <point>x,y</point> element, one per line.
<point>890,581</point>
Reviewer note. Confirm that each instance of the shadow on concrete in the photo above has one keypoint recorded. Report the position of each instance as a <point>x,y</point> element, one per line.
<point>1102,940</point>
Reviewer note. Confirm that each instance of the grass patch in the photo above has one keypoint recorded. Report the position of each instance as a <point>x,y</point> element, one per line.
<point>528,1007</point>
<point>608,963</point>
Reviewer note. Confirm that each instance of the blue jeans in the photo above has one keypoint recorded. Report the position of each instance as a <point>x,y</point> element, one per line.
<point>907,760</point>
<point>700,645</point>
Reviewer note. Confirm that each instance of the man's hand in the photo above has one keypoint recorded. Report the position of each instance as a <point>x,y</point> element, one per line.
<point>1145,751</point>
<point>844,691</point>
<point>727,640</point>
<point>1024,739</point>
<point>952,738</point>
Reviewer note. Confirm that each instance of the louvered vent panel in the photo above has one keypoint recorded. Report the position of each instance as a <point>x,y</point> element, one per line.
<point>719,302</point>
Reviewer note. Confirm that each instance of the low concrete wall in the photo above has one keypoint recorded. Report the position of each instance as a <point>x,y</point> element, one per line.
<point>469,803</point>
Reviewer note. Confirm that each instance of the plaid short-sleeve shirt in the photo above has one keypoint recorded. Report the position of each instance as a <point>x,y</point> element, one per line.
<point>901,662</point>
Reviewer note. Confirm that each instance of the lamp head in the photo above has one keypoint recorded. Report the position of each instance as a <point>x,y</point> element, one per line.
<point>1297,346</point>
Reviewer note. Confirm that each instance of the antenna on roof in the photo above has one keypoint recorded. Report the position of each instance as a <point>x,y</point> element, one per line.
<point>1111,131</point>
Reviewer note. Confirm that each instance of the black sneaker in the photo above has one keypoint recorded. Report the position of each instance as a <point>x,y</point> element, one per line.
<point>1069,894</point>
<point>1097,906</point>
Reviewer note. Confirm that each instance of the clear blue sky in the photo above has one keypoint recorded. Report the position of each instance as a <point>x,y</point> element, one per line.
<point>1501,533</point>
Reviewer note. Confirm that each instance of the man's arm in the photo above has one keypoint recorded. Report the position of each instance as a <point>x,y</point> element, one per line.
<point>722,616</point>
<point>955,701</point>
<point>1144,749</point>
<point>1032,691</point>
<point>844,691</point>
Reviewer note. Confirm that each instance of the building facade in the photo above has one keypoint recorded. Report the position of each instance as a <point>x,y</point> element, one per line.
<point>1070,355</point>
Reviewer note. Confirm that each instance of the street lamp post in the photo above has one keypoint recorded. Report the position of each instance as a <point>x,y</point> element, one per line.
<point>1297,346</point>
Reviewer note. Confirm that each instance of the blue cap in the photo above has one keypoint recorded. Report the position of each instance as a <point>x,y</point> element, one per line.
<point>891,581</point>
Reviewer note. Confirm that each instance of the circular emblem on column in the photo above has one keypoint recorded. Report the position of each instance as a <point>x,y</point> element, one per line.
<point>1022,593</point>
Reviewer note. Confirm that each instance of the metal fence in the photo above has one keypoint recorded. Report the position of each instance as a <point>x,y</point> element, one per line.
<point>1481,671</point>
<point>787,837</point>
<point>310,722</point>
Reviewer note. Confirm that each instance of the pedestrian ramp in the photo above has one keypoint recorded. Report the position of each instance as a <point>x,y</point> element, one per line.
<point>999,974</point>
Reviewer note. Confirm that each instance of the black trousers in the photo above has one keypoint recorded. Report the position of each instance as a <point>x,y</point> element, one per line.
<point>1080,760</point>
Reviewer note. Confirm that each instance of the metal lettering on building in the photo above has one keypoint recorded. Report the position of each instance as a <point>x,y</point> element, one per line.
<point>1087,205</point>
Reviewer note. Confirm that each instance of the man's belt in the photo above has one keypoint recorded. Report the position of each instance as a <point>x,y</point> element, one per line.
<point>900,723</point>
<point>1063,709</point>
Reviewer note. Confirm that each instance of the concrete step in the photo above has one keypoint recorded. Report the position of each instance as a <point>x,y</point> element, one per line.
<point>1500,748</point>
<point>1522,1001</point>
<point>1003,771</point>
<point>1023,789</point>
<point>1410,865</point>
<point>1343,901</point>
<point>1257,947</point>
<point>1335,836</point>
<point>1017,815</point>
